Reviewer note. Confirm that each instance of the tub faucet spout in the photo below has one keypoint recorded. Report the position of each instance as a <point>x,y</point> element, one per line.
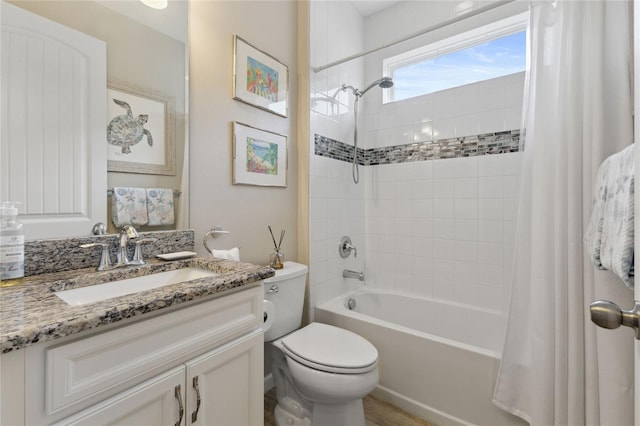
<point>347,273</point>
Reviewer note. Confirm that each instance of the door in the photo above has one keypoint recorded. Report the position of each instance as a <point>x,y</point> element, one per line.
<point>636,201</point>
<point>225,386</point>
<point>53,157</point>
<point>607,314</point>
<point>156,402</point>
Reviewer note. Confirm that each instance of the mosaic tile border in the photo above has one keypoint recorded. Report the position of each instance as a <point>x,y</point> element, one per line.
<point>467,146</point>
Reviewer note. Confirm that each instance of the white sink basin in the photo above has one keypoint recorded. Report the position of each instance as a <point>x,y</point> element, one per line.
<point>98,292</point>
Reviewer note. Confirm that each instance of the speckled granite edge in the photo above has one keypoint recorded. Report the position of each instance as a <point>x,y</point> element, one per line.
<point>65,254</point>
<point>30,312</point>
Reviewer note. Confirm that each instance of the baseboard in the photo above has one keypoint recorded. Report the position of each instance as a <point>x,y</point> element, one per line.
<point>268,382</point>
<point>412,406</point>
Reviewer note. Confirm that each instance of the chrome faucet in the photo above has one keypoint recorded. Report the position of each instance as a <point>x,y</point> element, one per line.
<point>128,232</point>
<point>348,273</point>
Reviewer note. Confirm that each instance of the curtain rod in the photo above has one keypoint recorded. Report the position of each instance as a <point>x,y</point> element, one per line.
<point>418,34</point>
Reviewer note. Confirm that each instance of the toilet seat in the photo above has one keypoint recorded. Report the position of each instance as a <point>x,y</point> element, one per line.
<point>331,349</point>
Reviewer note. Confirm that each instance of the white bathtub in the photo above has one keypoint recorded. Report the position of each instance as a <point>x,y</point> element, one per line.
<point>437,360</point>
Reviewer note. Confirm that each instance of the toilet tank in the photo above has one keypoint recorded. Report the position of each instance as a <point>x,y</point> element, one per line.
<point>286,291</point>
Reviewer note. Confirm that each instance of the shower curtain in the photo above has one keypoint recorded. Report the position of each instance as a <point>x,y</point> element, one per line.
<point>557,368</point>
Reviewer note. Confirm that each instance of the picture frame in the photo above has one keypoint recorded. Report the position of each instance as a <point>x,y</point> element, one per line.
<point>127,124</point>
<point>259,79</point>
<point>260,157</point>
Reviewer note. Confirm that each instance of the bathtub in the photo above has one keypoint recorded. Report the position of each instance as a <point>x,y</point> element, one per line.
<point>437,360</point>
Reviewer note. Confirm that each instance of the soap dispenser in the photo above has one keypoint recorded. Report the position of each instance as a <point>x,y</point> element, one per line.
<point>11,242</point>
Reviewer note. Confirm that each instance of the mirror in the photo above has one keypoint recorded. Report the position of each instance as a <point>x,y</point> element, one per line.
<point>146,53</point>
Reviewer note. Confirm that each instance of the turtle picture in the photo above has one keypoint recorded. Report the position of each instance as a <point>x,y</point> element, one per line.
<point>126,131</point>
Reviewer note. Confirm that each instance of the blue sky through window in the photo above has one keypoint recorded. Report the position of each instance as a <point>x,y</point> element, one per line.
<point>495,58</point>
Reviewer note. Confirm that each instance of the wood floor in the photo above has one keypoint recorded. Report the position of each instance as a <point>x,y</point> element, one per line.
<point>376,412</point>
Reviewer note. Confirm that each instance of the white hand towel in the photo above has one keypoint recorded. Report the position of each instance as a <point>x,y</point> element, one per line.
<point>160,206</point>
<point>129,206</point>
<point>231,254</point>
<point>609,235</point>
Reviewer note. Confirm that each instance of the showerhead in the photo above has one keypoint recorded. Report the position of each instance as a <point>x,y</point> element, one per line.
<point>384,83</point>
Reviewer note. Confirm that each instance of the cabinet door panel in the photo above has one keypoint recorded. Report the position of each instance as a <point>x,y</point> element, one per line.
<point>152,403</point>
<point>230,381</point>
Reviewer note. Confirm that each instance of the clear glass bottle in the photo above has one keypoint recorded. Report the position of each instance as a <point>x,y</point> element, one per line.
<point>11,242</point>
<point>277,260</point>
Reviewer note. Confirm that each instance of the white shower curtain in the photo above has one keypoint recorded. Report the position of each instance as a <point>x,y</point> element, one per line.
<point>556,368</point>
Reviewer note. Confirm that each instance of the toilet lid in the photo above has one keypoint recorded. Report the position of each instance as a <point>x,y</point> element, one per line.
<point>328,348</point>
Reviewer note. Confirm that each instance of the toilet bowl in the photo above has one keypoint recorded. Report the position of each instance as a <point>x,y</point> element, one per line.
<point>321,372</point>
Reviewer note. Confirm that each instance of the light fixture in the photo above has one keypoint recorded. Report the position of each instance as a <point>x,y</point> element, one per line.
<point>155,4</point>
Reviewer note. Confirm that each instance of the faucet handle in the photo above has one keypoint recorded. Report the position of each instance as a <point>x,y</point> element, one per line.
<point>130,231</point>
<point>345,247</point>
<point>138,259</point>
<point>105,259</point>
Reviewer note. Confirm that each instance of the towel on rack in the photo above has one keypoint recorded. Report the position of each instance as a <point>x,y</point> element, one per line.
<point>160,206</point>
<point>129,206</point>
<point>609,235</point>
<point>231,254</point>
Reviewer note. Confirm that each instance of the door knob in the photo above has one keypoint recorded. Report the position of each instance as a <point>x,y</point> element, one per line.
<point>609,315</point>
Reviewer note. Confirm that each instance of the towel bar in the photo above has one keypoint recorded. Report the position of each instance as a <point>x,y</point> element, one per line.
<point>176,192</point>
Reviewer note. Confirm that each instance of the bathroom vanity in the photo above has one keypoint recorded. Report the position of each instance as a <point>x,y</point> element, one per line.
<point>179,354</point>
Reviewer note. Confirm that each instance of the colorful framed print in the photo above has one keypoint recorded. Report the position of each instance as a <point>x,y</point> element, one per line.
<point>259,156</point>
<point>259,79</point>
<point>140,130</point>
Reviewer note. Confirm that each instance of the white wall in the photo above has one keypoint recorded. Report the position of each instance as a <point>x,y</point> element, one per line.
<point>443,228</point>
<point>245,211</point>
<point>336,204</point>
<point>440,228</point>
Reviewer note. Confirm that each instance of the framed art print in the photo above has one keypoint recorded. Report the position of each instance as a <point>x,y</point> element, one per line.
<point>140,130</point>
<point>259,157</point>
<point>259,79</point>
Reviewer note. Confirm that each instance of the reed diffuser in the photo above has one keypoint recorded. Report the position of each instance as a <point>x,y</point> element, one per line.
<point>277,258</point>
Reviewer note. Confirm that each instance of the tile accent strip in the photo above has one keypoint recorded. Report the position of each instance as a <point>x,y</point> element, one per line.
<point>467,146</point>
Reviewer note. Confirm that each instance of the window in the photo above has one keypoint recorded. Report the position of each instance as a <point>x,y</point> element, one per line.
<point>486,52</point>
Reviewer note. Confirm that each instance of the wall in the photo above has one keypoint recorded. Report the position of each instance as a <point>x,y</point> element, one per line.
<point>138,55</point>
<point>245,211</point>
<point>441,228</point>
<point>336,204</point>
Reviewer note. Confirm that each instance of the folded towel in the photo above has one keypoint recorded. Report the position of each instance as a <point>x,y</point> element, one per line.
<point>129,206</point>
<point>609,236</point>
<point>231,254</point>
<point>160,206</point>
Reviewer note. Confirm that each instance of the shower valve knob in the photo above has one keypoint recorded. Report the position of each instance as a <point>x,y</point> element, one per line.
<point>609,315</point>
<point>345,247</point>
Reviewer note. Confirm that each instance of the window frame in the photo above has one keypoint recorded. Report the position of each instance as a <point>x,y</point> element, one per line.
<point>482,34</point>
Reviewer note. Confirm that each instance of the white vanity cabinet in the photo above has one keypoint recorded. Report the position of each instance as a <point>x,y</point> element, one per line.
<point>143,371</point>
<point>226,381</point>
<point>154,402</point>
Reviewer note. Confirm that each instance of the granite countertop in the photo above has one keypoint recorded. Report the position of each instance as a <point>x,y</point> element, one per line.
<point>30,312</point>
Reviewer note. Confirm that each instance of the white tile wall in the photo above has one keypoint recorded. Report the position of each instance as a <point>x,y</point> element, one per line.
<point>456,230</point>
<point>336,204</point>
<point>488,106</point>
<point>441,228</point>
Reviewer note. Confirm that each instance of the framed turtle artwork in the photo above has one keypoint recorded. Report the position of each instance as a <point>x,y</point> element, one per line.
<point>259,79</point>
<point>140,130</point>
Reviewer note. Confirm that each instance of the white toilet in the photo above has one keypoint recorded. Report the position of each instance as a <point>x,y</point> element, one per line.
<point>321,372</point>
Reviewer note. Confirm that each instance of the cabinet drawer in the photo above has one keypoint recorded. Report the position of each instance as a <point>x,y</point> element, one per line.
<point>102,365</point>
